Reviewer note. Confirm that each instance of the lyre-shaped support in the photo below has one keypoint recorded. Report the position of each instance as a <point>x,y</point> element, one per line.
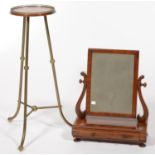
<point>144,117</point>
<point>79,112</point>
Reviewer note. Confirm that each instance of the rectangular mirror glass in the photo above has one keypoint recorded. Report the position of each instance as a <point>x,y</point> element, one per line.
<point>112,76</point>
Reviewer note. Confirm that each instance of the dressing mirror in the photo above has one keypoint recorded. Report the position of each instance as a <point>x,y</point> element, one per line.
<point>112,82</point>
<point>111,86</point>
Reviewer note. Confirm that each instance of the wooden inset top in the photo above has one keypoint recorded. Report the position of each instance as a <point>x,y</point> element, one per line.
<point>32,10</point>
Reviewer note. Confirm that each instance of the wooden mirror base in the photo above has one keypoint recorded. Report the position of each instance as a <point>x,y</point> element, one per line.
<point>81,130</point>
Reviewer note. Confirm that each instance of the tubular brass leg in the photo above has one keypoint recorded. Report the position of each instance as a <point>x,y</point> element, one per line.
<point>25,85</point>
<point>21,73</point>
<point>54,71</point>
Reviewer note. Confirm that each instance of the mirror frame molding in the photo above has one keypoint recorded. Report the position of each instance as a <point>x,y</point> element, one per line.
<point>135,53</point>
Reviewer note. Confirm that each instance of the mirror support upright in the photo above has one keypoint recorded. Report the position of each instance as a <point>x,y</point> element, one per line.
<point>79,112</point>
<point>82,130</point>
<point>144,118</point>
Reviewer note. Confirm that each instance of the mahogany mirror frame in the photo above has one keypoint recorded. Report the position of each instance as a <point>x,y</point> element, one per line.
<point>135,53</point>
<point>86,129</point>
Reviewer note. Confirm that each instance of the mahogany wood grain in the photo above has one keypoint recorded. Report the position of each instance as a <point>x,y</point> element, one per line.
<point>120,134</point>
<point>135,53</point>
<point>81,130</point>
<point>144,117</point>
<point>79,112</point>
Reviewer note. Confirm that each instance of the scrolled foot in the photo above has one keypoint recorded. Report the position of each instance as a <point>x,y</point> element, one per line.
<point>76,139</point>
<point>10,119</point>
<point>20,148</point>
<point>142,145</point>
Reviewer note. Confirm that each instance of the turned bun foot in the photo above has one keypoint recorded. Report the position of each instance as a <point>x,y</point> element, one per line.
<point>142,145</point>
<point>76,139</point>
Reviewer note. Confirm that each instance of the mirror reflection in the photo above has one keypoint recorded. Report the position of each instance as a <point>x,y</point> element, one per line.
<point>112,77</point>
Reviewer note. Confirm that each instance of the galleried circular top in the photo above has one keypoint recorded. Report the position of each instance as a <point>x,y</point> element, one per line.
<point>32,10</point>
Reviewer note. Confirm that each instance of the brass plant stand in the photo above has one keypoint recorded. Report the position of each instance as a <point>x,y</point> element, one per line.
<point>26,12</point>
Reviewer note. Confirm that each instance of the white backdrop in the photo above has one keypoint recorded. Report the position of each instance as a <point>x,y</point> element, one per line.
<point>74,28</point>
